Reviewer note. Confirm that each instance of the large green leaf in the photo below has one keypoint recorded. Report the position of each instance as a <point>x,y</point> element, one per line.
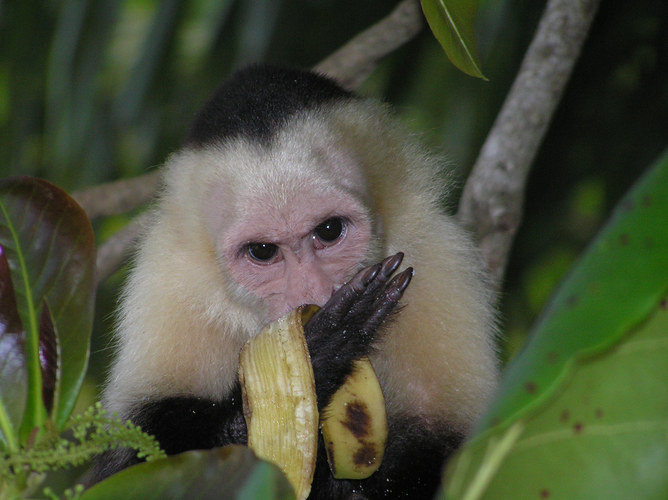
<point>49,245</point>
<point>451,22</point>
<point>613,287</point>
<point>230,472</point>
<point>603,435</point>
<point>583,410</point>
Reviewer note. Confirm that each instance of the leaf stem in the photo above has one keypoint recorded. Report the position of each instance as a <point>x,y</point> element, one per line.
<point>494,455</point>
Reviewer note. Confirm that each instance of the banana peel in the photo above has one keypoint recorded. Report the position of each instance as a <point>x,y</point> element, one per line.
<point>354,425</point>
<point>280,407</point>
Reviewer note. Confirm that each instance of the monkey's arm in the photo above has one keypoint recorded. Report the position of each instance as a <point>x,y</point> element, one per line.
<point>345,329</point>
<point>338,334</point>
<point>179,424</point>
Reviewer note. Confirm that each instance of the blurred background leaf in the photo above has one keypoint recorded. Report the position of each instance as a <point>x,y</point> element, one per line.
<point>229,472</point>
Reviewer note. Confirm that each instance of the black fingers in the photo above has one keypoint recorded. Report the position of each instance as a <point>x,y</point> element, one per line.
<point>360,292</point>
<point>373,296</point>
<point>389,299</point>
<point>345,296</point>
<point>345,328</point>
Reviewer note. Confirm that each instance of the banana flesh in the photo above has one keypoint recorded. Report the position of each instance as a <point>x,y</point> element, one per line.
<point>279,401</point>
<point>280,407</point>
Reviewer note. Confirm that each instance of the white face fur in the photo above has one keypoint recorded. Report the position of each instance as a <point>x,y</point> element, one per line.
<point>295,241</point>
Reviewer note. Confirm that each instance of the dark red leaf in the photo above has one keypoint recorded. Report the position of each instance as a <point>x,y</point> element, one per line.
<point>13,373</point>
<point>48,357</point>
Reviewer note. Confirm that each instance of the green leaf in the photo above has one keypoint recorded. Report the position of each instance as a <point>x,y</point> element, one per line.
<point>13,371</point>
<point>229,472</point>
<point>451,22</point>
<point>613,287</point>
<point>49,245</point>
<point>588,391</point>
<point>603,435</point>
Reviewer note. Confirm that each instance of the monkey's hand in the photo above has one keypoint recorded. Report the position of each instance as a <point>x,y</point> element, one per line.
<point>345,328</point>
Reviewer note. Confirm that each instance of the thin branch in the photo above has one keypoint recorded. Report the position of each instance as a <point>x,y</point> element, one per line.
<point>112,254</point>
<point>493,197</point>
<point>352,63</point>
<point>117,197</point>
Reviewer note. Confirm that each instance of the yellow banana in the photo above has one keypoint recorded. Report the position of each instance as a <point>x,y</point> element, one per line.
<point>279,400</point>
<point>280,407</point>
<point>354,425</point>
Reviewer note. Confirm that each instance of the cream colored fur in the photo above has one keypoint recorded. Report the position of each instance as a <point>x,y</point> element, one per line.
<point>182,321</point>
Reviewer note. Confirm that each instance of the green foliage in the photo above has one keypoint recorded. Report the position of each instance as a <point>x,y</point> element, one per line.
<point>233,470</point>
<point>47,259</point>
<point>582,412</point>
<point>451,21</point>
<point>92,433</point>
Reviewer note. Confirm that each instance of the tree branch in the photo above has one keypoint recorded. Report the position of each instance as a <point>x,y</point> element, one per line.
<point>117,197</point>
<point>352,63</point>
<point>493,197</point>
<point>112,254</point>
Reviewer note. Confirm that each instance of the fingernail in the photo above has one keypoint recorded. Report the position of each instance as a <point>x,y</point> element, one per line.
<point>404,278</point>
<point>370,274</point>
<point>390,264</point>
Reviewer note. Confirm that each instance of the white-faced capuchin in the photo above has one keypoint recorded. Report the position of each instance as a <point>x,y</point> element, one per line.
<point>290,190</point>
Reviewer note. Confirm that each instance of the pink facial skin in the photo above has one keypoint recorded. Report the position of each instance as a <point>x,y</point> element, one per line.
<point>305,269</point>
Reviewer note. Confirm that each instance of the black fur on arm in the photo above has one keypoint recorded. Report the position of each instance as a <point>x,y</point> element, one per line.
<point>188,423</point>
<point>179,424</point>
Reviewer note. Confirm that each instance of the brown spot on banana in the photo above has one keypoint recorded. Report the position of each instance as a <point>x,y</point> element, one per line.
<point>355,426</point>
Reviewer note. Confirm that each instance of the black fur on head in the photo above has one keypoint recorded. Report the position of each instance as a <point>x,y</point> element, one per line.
<point>254,103</point>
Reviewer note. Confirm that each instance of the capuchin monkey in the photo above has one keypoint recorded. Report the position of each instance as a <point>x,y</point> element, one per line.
<point>290,190</point>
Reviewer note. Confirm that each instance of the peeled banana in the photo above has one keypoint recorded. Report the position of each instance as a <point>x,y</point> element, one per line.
<point>280,407</point>
<point>279,401</point>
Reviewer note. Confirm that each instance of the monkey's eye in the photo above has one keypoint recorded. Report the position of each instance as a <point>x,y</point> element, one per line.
<point>330,230</point>
<point>262,252</point>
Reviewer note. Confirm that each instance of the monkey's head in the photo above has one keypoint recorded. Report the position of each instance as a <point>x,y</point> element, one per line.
<point>296,228</point>
<point>282,190</point>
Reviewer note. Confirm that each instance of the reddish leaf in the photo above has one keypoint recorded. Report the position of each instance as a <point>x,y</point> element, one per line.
<point>50,249</point>
<point>13,374</point>
<point>48,357</point>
